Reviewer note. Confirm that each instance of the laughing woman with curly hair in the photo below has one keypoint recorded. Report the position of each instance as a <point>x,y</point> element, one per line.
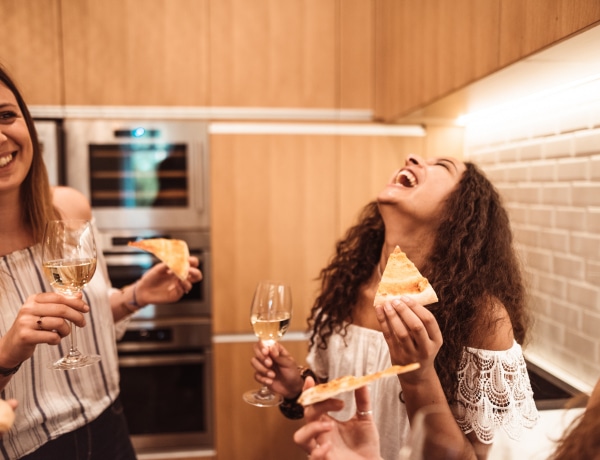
<point>449,220</point>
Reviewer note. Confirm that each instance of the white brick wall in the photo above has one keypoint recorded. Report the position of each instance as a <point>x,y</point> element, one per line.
<point>548,172</point>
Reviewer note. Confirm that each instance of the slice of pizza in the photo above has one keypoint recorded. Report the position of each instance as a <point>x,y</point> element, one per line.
<point>174,253</point>
<point>331,389</point>
<point>401,277</point>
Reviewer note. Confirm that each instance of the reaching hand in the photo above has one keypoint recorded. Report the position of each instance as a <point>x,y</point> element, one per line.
<point>277,369</point>
<point>325,438</point>
<point>160,285</point>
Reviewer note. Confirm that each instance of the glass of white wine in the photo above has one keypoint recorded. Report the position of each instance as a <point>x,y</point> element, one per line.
<point>69,261</point>
<point>270,316</point>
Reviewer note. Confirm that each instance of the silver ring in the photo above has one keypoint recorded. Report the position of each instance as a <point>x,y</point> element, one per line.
<point>361,413</point>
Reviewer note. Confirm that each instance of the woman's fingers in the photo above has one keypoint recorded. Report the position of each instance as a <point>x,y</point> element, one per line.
<point>306,436</point>
<point>420,320</point>
<point>363,403</point>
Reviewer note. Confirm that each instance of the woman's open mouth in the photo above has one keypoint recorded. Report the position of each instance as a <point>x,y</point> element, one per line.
<point>6,159</point>
<point>406,179</point>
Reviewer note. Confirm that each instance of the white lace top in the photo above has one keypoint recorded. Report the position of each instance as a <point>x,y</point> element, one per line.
<point>494,388</point>
<point>494,391</point>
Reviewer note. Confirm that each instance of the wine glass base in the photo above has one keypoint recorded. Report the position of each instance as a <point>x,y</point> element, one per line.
<point>69,363</point>
<point>255,398</point>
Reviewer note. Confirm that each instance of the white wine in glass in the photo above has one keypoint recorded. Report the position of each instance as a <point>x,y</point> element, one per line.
<point>270,315</point>
<point>69,261</point>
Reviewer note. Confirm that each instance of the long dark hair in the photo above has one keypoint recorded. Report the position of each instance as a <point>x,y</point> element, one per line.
<point>472,266</point>
<point>36,194</point>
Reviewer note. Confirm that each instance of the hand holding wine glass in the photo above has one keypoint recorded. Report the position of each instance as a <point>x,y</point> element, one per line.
<point>69,261</point>
<point>270,315</point>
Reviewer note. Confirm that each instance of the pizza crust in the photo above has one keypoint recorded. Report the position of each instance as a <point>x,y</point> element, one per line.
<point>334,387</point>
<point>174,253</point>
<point>402,278</point>
<point>7,416</point>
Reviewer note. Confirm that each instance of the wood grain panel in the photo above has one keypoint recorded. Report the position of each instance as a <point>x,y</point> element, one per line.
<point>30,49</point>
<point>428,49</point>
<point>273,216</point>
<point>266,53</point>
<point>356,54</point>
<point>128,52</point>
<point>528,26</point>
<point>244,431</point>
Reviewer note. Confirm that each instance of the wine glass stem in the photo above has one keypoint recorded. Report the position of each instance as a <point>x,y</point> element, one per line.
<point>73,351</point>
<point>264,392</point>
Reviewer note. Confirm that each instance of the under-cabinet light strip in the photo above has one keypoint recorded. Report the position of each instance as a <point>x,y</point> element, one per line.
<point>251,338</point>
<point>317,129</point>
<point>201,113</point>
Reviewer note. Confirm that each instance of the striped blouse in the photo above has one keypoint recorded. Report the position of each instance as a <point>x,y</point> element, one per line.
<point>53,402</point>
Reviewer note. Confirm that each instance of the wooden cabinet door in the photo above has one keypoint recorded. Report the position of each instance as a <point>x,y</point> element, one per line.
<point>244,431</point>
<point>528,26</point>
<point>272,216</point>
<point>136,52</point>
<point>428,49</point>
<point>30,49</point>
<point>273,54</point>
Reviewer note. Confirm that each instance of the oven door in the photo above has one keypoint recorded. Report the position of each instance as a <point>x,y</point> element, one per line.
<point>166,386</point>
<point>140,174</point>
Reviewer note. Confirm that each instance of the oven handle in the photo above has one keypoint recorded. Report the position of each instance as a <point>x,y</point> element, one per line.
<point>161,360</point>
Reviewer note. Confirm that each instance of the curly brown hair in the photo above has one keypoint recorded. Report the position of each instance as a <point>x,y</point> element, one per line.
<point>472,266</point>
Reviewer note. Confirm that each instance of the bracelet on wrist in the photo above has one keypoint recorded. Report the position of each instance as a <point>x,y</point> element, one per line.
<point>133,306</point>
<point>10,371</point>
<point>290,407</point>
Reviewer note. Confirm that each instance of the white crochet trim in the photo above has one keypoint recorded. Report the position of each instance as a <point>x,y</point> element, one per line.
<point>494,391</point>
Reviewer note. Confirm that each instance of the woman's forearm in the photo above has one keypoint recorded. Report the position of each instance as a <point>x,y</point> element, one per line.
<point>430,416</point>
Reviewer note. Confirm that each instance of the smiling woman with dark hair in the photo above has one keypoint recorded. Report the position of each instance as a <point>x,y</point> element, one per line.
<point>449,220</point>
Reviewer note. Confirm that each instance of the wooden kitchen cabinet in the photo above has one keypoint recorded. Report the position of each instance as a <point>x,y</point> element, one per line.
<point>234,53</point>
<point>136,52</point>
<point>431,48</point>
<point>529,26</point>
<point>297,53</point>
<point>31,50</point>
<point>273,215</point>
<point>244,431</point>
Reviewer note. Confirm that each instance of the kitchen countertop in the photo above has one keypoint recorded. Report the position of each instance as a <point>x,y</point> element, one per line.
<point>539,442</point>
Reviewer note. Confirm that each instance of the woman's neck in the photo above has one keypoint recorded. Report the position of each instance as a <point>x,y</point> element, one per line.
<point>415,246</point>
<point>14,233</point>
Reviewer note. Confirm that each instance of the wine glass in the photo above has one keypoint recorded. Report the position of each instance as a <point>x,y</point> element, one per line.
<point>69,261</point>
<point>270,316</point>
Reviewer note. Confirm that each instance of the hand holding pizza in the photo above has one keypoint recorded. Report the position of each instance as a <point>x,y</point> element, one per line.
<point>411,332</point>
<point>169,280</point>
<point>325,438</point>
<point>160,285</point>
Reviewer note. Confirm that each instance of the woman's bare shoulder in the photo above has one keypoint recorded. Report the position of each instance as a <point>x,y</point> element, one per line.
<point>499,334</point>
<point>71,203</point>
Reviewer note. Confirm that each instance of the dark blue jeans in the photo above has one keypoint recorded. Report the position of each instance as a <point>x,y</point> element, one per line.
<point>106,438</point>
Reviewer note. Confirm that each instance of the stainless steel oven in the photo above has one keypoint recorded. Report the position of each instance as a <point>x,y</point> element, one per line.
<point>140,174</point>
<point>165,356</point>
<point>166,385</point>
